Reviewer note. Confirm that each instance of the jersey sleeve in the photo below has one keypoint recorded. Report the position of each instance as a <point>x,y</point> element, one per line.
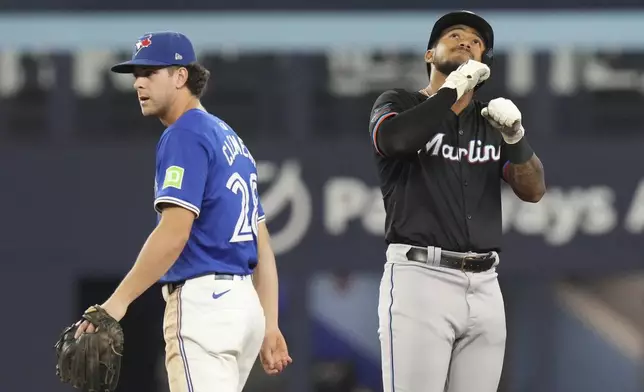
<point>386,106</point>
<point>182,168</point>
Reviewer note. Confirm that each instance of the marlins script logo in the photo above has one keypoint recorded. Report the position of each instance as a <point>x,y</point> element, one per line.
<point>476,152</point>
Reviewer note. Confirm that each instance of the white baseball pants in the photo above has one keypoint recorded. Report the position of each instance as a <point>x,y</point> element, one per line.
<point>213,331</point>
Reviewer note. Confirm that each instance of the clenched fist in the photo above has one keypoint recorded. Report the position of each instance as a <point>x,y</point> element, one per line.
<point>504,115</point>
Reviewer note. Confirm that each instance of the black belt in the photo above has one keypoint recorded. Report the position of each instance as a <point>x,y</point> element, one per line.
<point>470,262</point>
<point>173,286</point>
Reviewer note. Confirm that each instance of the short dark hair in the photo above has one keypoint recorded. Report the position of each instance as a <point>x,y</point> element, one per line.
<point>198,77</point>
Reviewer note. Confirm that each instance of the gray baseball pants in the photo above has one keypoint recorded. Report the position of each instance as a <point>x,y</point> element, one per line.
<point>440,329</point>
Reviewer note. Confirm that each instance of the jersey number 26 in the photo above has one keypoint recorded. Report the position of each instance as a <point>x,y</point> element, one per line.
<point>246,227</point>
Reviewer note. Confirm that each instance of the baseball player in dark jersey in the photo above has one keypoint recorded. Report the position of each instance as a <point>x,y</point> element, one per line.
<point>441,157</point>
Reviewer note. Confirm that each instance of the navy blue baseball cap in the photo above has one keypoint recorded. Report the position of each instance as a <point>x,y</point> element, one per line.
<point>160,49</point>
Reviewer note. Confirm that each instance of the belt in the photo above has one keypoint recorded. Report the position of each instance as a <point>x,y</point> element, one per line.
<point>173,286</point>
<point>469,261</point>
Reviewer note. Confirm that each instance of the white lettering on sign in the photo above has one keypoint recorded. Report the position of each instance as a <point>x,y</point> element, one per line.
<point>350,203</point>
<point>89,73</point>
<point>562,214</point>
<point>635,216</point>
<point>563,78</point>
<point>599,75</point>
<point>520,76</point>
<point>351,72</point>
<point>12,75</point>
<point>350,199</point>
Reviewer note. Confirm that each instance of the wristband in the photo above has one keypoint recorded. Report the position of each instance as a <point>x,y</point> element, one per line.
<point>519,152</point>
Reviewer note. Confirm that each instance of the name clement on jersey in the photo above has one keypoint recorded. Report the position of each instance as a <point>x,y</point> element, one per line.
<point>475,153</point>
<point>234,147</point>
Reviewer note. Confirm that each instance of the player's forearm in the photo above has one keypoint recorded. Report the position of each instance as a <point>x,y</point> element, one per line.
<point>409,131</point>
<point>158,254</point>
<point>527,179</point>
<point>265,279</point>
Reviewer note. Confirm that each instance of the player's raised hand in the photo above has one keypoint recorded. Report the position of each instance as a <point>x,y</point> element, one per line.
<point>466,77</point>
<point>504,115</point>
<point>274,353</point>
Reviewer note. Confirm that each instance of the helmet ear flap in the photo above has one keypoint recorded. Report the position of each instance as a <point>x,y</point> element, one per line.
<point>488,57</point>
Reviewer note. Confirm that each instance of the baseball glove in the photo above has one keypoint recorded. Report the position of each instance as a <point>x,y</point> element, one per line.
<point>92,362</point>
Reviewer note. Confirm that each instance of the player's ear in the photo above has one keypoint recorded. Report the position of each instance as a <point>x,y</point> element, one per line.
<point>429,56</point>
<point>181,77</point>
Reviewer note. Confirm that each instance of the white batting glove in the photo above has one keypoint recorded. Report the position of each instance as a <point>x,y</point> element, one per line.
<point>466,77</point>
<point>504,115</point>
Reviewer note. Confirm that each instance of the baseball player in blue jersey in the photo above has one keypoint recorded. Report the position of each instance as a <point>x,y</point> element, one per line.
<point>210,249</point>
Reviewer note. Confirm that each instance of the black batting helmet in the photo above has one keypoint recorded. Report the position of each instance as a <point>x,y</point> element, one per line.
<point>472,20</point>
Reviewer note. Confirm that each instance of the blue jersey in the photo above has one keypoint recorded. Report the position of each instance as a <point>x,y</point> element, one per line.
<point>203,166</point>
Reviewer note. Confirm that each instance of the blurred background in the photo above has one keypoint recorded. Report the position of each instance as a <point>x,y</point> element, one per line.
<point>297,81</point>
